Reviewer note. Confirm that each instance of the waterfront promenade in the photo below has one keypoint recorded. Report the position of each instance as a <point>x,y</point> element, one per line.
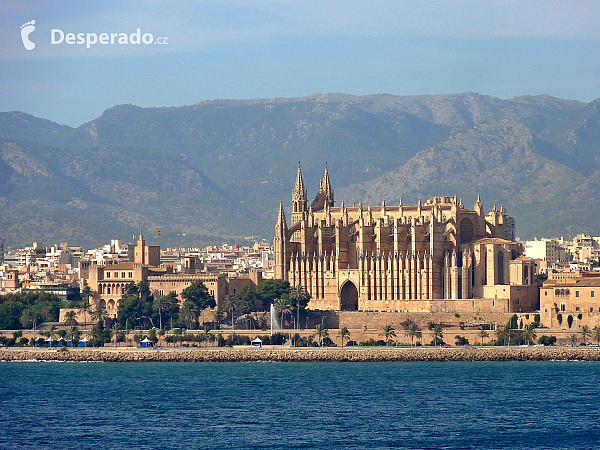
<point>289,354</point>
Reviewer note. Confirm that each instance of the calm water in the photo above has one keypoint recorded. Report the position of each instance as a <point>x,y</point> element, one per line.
<point>300,405</point>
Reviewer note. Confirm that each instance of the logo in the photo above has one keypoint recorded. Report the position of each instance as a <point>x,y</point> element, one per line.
<point>26,30</point>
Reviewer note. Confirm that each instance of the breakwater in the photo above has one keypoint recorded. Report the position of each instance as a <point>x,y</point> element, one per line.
<point>287,354</point>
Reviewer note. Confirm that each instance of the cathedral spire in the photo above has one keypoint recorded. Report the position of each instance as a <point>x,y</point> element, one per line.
<point>281,216</point>
<point>325,186</point>
<point>299,196</point>
<point>478,208</point>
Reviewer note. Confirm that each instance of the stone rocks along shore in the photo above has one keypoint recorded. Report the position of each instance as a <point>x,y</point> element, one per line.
<point>287,354</point>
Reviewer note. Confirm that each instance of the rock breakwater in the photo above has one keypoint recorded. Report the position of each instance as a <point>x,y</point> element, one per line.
<point>286,354</point>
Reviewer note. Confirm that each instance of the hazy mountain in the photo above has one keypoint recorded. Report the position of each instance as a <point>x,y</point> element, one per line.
<point>217,169</point>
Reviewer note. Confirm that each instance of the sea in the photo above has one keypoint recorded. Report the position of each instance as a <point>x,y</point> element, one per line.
<point>432,405</point>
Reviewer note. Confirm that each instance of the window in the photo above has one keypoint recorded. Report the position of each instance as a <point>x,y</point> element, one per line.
<point>130,274</point>
<point>212,292</point>
<point>116,274</point>
<point>122,274</point>
<point>107,274</point>
<point>545,292</point>
<point>577,308</point>
<point>563,307</point>
<point>576,293</point>
<point>161,292</point>
<point>591,309</point>
<point>591,293</point>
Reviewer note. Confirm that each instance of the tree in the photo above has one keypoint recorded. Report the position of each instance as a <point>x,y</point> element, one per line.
<point>529,333</point>
<point>344,333</point>
<point>300,298</point>
<point>85,308</point>
<point>206,334</point>
<point>165,304</point>
<point>436,332</point>
<point>99,314</point>
<point>573,340</point>
<point>217,316</point>
<point>27,318</point>
<point>413,331</point>
<point>596,334</point>
<point>483,334</point>
<point>73,333</point>
<point>283,306</point>
<point>321,333</point>
<point>70,318</point>
<point>388,332</point>
<point>585,332</point>
<point>198,294</point>
<point>189,313</point>
<point>269,290</point>
<point>504,334</point>
<point>85,294</point>
<point>134,307</point>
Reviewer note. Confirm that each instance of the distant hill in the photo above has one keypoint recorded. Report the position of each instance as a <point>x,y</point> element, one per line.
<point>217,169</point>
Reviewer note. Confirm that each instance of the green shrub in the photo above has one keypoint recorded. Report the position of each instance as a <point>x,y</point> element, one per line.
<point>547,340</point>
<point>559,318</point>
<point>570,320</point>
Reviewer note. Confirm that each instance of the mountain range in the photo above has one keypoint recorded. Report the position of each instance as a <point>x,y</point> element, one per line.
<point>216,170</point>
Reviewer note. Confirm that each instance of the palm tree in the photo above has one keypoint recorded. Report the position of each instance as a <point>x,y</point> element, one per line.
<point>388,332</point>
<point>573,340</point>
<point>70,318</point>
<point>585,332</point>
<point>483,334</point>
<point>206,334</point>
<point>161,304</point>
<point>217,318</point>
<point>529,333</point>
<point>344,333</point>
<point>283,306</point>
<point>99,314</point>
<point>298,294</point>
<point>504,334</point>
<point>436,332</point>
<point>86,307</point>
<point>321,333</point>
<point>189,314</point>
<point>72,332</point>
<point>596,334</point>
<point>230,304</point>
<point>413,331</point>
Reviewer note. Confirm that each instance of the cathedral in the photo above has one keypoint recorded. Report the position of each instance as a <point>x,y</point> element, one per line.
<point>436,256</point>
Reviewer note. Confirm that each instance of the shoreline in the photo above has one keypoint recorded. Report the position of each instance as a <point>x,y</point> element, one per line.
<point>288,354</point>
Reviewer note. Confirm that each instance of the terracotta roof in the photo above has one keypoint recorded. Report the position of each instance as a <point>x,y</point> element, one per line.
<point>573,282</point>
<point>523,258</point>
<point>492,241</point>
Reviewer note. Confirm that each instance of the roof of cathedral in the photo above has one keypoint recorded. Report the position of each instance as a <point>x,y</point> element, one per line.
<point>493,240</point>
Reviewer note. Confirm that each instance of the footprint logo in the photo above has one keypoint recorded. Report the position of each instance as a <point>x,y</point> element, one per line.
<point>26,30</point>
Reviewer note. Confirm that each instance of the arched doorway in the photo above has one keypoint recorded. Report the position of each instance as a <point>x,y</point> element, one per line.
<point>349,297</point>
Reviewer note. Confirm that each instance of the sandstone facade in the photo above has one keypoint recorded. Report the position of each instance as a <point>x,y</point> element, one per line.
<point>434,256</point>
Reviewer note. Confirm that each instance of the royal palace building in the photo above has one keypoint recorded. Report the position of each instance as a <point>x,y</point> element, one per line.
<point>433,257</point>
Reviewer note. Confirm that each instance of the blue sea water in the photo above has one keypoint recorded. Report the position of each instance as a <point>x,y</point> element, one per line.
<point>536,405</point>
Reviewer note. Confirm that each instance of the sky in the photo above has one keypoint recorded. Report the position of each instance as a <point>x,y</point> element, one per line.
<point>265,49</point>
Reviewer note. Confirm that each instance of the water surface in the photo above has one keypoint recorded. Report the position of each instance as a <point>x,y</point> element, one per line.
<point>459,405</point>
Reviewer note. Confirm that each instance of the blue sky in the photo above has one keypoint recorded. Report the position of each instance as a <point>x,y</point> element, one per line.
<point>250,49</point>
